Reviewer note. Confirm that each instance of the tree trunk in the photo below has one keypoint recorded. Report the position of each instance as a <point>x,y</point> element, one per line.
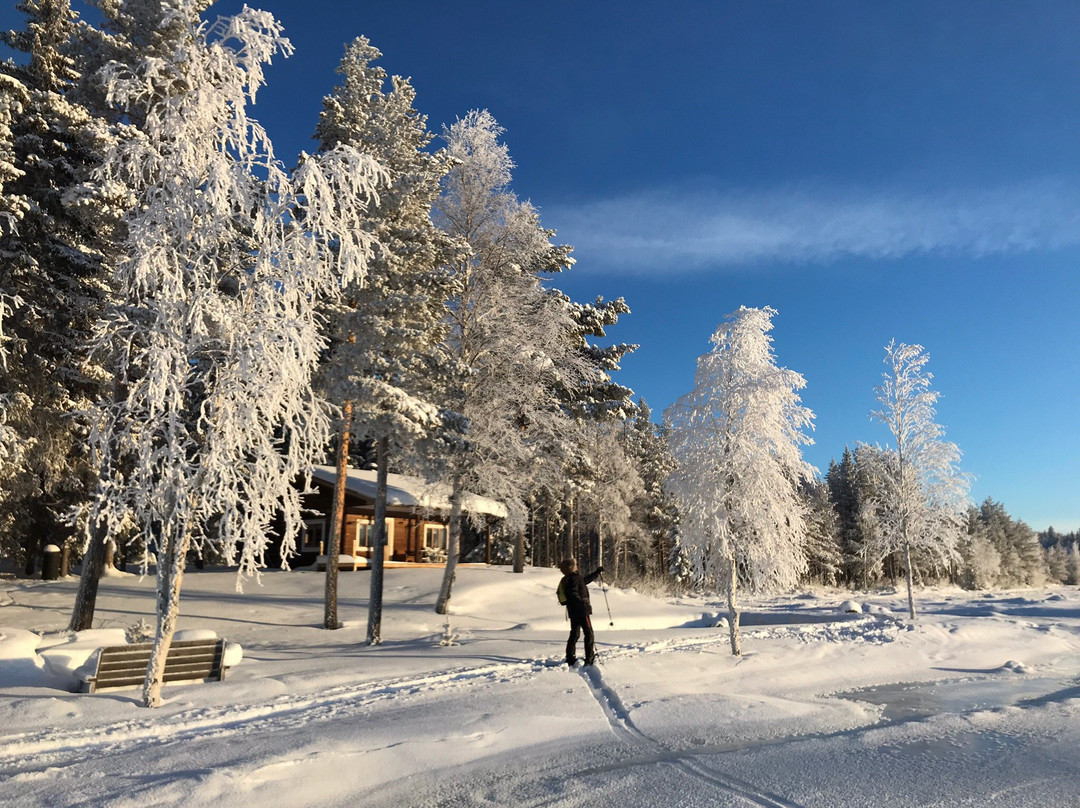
<point>337,518</point>
<point>93,563</point>
<point>32,549</point>
<point>519,552</point>
<point>442,605</point>
<point>733,610</point>
<point>375,600</point>
<point>170,572</point>
<point>547,538</point>
<point>569,532</point>
<point>910,580</point>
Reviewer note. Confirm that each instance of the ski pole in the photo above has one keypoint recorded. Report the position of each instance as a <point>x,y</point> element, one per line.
<point>604,590</point>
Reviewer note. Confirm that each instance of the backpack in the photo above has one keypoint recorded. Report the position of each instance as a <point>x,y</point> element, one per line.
<point>560,593</point>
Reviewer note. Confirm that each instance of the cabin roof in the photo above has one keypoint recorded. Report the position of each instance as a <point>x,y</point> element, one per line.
<point>403,491</point>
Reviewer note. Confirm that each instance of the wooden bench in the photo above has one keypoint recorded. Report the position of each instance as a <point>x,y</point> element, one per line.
<point>121,666</point>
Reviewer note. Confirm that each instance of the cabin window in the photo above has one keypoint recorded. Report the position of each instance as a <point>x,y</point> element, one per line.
<point>365,531</point>
<point>436,537</point>
<point>312,535</point>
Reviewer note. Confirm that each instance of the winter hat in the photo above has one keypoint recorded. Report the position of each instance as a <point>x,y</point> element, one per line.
<point>567,565</point>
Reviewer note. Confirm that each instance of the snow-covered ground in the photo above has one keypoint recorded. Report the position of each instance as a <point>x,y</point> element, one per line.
<point>977,703</point>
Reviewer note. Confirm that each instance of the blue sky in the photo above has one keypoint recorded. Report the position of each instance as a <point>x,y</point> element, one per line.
<point>873,171</point>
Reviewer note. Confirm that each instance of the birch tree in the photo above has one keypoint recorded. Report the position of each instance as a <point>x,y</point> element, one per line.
<point>218,337</point>
<point>735,440</point>
<point>510,341</point>
<point>922,502</point>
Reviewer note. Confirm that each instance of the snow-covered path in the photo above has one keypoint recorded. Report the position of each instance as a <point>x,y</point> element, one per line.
<point>976,704</point>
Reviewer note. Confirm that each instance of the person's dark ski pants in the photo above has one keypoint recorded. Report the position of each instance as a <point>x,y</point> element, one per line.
<point>580,624</point>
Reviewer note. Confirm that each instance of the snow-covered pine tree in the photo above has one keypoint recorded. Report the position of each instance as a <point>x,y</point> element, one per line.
<point>509,345</point>
<point>570,468</point>
<point>387,332</point>
<point>55,262</point>
<point>735,439</point>
<point>597,396</point>
<point>655,510</point>
<point>844,496</point>
<point>1021,560</point>
<point>13,97</point>
<point>921,504</point>
<point>1072,574</point>
<point>980,562</point>
<point>824,554</point>
<point>218,337</point>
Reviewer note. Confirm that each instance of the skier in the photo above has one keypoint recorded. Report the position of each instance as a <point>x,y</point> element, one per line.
<point>573,593</point>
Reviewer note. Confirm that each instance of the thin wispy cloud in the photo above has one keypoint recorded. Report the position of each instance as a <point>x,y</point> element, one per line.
<point>695,230</point>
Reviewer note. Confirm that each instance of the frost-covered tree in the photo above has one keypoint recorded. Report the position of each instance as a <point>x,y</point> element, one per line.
<point>13,96</point>
<point>654,510</point>
<point>1021,561</point>
<point>1072,569</point>
<point>736,441</point>
<point>570,469</point>
<point>55,262</point>
<point>924,493</point>
<point>844,496</point>
<point>611,486</point>
<point>217,336</point>
<point>597,396</point>
<point>509,345</point>
<point>980,561</point>
<point>387,331</point>
<point>824,554</point>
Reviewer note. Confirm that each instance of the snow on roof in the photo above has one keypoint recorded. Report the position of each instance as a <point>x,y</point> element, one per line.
<point>403,491</point>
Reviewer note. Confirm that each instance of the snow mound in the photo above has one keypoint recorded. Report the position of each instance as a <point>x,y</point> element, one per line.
<point>234,652</point>
<point>1016,667</point>
<point>75,656</point>
<point>195,634</point>
<point>851,607</point>
<point>707,620</point>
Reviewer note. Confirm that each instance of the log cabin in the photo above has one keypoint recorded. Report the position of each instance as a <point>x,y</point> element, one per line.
<point>417,520</point>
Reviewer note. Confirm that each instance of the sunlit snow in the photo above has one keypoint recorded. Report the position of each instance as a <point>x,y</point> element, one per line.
<point>976,703</point>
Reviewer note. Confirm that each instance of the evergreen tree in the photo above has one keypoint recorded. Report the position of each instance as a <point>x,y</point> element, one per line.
<point>1057,564</point>
<point>1022,561</point>
<point>824,553</point>
<point>387,333</point>
<point>54,261</point>
<point>980,560</point>
<point>572,468</point>
<point>647,445</point>
<point>1072,569</point>
<point>735,438</point>
<point>844,494</point>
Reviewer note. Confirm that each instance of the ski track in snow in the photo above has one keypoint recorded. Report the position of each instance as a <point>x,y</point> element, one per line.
<point>40,751</point>
<point>619,718</point>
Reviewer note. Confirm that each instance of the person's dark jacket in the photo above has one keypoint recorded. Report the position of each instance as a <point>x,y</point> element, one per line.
<point>575,589</point>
